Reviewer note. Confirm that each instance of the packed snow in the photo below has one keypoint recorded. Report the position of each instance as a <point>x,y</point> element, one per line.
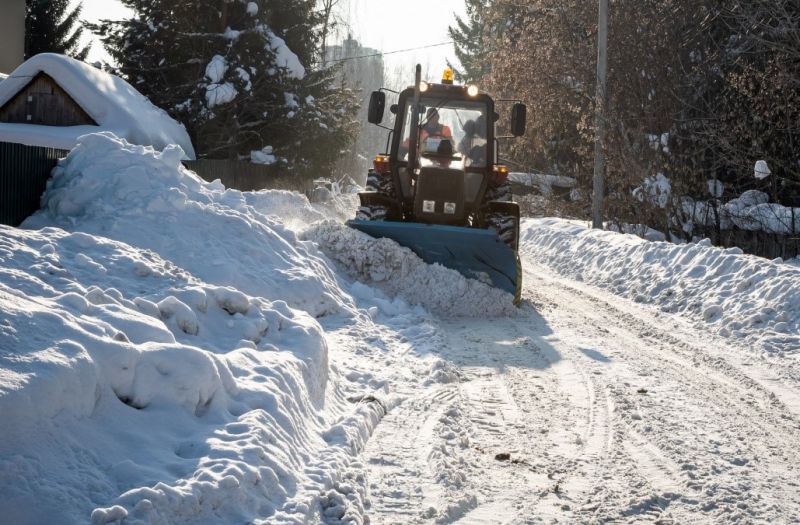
<point>111,102</point>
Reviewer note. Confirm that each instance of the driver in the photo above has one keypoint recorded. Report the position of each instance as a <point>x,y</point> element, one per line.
<point>433,128</point>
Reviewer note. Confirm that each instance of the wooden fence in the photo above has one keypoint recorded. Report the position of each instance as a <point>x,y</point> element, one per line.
<point>24,171</point>
<point>763,244</point>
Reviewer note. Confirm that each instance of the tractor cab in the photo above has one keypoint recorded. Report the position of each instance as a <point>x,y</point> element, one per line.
<point>440,172</point>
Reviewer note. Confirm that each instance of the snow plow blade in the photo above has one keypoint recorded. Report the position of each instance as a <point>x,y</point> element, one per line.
<point>475,253</point>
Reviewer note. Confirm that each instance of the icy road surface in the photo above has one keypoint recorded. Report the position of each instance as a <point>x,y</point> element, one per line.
<point>587,408</point>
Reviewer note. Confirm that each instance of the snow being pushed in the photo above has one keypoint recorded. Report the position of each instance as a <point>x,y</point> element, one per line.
<point>737,295</point>
<point>146,198</point>
<point>400,272</point>
<point>110,101</point>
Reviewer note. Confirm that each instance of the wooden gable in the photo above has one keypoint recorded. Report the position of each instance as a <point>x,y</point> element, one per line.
<point>43,102</point>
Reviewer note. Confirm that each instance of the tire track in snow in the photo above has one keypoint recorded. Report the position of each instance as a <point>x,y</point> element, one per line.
<point>748,432</point>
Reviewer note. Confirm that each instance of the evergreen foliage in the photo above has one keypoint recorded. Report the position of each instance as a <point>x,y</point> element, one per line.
<point>230,71</point>
<point>50,28</point>
<point>470,38</point>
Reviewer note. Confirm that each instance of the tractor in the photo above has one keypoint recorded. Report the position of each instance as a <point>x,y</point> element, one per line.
<point>439,188</point>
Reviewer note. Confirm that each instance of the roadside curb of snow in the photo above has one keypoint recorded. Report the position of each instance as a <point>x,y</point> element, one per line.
<point>735,295</point>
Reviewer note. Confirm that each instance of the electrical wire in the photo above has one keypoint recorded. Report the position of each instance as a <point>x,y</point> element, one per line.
<point>393,52</point>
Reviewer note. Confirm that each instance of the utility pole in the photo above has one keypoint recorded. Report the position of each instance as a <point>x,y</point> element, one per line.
<point>601,103</point>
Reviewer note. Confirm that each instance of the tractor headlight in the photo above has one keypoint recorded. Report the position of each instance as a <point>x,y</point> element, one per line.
<point>450,208</point>
<point>473,91</point>
<point>423,87</point>
<point>428,206</point>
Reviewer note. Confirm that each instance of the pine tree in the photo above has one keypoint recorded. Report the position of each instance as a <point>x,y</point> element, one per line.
<point>470,41</point>
<point>50,28</point>
<point>232,72</point>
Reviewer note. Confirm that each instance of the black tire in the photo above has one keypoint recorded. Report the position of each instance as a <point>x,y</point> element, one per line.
<point>372,213</point>
<point>506,226</point>
<point>380,183</point>
<point>499,193</point>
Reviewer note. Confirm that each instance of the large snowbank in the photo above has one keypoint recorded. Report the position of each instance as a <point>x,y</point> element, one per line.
<point>130,387</point>
<point>736,295</point>
<point>152,369</point>
<point>160,360</point>
<point>115,106</point>
<point>130,193</point>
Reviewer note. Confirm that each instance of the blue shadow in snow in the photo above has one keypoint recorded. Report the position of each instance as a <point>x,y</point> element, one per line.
<point>594,354</point>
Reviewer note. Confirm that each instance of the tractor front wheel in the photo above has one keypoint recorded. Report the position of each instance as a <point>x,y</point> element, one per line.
<point>372,213</point>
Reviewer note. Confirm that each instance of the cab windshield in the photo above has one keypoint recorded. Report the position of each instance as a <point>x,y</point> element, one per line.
<point>451,133</point>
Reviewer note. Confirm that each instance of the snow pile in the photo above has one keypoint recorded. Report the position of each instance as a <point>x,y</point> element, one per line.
<point>736,295</point>
<point>112,103</point>
<point>399,272</point>
<point>751,211</point>
<point>132,391</point>
<point>130,193</point>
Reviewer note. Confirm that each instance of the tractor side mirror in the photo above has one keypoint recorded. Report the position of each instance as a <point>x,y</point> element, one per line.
<point>377,103</point>
<point>519,115</point>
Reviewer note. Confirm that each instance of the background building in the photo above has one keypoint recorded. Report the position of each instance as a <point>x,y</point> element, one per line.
<point>12,34</point>
<point>362,71</point>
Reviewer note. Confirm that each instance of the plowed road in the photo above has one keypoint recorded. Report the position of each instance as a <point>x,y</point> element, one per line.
<point>587,408</point>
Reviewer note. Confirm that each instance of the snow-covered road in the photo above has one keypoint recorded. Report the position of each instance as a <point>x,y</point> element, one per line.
<point>588,408</point>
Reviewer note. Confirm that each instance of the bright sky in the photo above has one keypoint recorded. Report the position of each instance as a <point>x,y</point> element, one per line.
<point>387,25</point>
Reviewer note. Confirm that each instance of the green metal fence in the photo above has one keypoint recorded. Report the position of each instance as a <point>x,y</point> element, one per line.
<point>24,171</point>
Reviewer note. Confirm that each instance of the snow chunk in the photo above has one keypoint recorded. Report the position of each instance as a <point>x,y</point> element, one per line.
<point>762,170</point>
<point>219,94</point>
<point>264,156</point>
<point>216,69</point>
<point>285,57</point>
<point>252,8</point>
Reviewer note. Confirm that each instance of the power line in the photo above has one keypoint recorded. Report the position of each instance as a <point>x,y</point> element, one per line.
<point>393,52</point>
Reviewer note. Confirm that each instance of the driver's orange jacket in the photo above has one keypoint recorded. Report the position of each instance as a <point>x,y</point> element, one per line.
<point>443,132</point>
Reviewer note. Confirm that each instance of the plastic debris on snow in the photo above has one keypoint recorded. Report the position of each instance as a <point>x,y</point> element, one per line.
<point>737,295</point>
<point>400,272</point>
<point>225,237</point>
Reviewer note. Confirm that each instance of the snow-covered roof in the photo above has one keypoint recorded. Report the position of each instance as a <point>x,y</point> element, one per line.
<point>111,102</point>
